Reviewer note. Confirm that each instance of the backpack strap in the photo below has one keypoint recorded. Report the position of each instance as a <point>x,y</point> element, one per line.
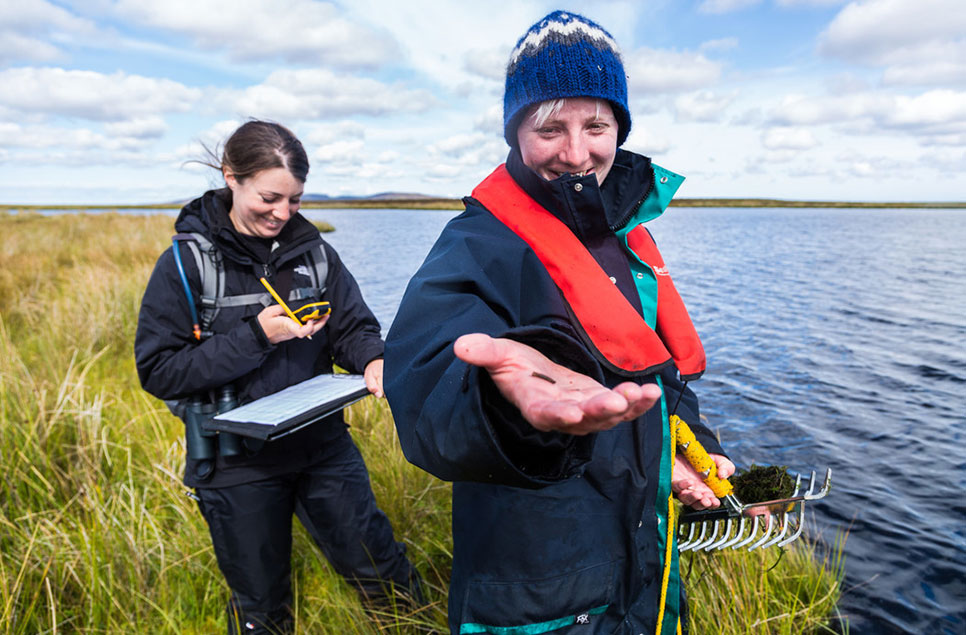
<point>318,265</point>
<point>211,268</point>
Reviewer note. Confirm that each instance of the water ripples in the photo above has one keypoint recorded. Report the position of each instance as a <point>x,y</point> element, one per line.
<point>834,338</point>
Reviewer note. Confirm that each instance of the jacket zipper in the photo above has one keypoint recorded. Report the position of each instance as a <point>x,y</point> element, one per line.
<point>629,214</point>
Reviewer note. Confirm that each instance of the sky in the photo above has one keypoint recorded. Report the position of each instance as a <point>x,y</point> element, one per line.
<point>110,101</point>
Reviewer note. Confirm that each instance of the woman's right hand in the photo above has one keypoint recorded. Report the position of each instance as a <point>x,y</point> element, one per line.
<point>278,326</point>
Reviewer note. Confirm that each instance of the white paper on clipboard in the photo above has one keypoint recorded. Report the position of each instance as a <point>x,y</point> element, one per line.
<point>303,400</point>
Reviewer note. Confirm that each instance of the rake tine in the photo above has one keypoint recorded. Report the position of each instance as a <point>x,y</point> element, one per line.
<point>690,539</point>
<point>713,526</point>
<point>684,545</point>
<point>724,538</point>
<point>811,487</point>
<point>751,536</point>
<point>764,539</point>
<point>798,484</point>
<point>783,523</point>
<point>798,530</point>
<point>809,495</point>
<point>738,534</point>
<point>716,525</point>
<point>700,539</point>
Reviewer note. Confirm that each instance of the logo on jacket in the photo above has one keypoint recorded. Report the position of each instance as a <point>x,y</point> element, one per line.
<point>302,270</point>
<point>583,618</point>
<point>661,271</point>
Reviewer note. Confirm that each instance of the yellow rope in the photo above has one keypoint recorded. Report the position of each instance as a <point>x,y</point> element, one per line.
<point>670,539</point>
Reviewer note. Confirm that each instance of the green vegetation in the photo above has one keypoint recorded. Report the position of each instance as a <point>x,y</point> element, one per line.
<point>457,204</point>
<point>761,483</point>
<point>96,533</point>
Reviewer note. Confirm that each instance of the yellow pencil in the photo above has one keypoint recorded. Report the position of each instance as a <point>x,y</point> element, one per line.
<point>288,311</point>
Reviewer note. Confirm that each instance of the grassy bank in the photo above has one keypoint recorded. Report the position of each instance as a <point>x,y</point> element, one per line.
<point>96,533</point>
<point>457,204</point>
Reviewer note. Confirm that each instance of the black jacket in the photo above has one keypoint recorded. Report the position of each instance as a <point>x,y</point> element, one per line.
<point>171,364</point>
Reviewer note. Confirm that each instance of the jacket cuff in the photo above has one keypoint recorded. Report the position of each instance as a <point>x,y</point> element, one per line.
<point>260,336</point>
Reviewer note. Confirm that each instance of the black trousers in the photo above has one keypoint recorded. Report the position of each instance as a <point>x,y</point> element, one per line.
<point>251,530</point>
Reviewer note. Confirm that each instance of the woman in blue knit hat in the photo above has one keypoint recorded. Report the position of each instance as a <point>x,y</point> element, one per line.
<point>560,347</point>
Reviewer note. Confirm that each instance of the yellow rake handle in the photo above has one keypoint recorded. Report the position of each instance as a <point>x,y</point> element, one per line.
<point>699,459</point>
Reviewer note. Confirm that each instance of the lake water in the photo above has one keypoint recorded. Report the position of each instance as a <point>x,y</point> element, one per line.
<point>834,338</point>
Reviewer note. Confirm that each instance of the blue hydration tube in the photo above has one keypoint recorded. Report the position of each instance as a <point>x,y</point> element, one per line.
<point>187,290</point>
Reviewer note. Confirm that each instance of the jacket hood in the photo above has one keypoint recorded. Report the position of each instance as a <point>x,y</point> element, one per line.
<point>208,215</point>
<point>600,208</point>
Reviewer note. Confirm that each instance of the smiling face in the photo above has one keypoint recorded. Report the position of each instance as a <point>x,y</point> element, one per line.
<point>263,203</point>
<point>581,138</point>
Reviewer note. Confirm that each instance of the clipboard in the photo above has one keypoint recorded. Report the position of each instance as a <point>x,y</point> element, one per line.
<point>291,408</point>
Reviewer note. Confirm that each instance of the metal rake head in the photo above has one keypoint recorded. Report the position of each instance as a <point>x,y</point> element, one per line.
<point>761,524</point>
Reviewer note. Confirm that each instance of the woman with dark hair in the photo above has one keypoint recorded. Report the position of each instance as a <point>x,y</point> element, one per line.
<point>248,347</point>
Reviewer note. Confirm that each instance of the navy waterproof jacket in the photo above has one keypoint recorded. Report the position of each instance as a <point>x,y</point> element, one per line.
<point>552,532</point>
<point>172,365</point>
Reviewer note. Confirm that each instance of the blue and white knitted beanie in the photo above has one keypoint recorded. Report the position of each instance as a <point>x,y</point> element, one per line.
<point>564,55</point>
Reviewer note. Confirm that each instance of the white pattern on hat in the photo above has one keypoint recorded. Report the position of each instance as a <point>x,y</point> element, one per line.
<point>535,39</point>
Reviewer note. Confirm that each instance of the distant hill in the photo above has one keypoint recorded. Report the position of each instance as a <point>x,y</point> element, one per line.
<point>382,196</point>
<point>410,200</point>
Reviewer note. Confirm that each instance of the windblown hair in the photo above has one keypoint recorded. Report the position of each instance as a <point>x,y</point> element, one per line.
<point>260,145</point>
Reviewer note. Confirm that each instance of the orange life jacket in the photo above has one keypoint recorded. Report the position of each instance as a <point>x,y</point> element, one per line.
<point>611,325</point>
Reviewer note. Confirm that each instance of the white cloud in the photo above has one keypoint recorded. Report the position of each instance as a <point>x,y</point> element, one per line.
<point>472,149</point>
<point>92,95</point>
<point>940,110</point>
<point>703,105</point>
<point>937,112</point>
<point>151,127</point>
<point>810,3</point>
<point>805,110</point>
<point>14,46</point>
<point>916,43</point>
<point>949,163</point>
<point>302,31</point>
<point>487,63</point>
<point>645,141</point>
<point>787,138</point>
<point>951,139</point>
<point>40,16</point>
<point>722,44</point>
<point>436,37</point>
<point>344,153</point>
<point>194,154</point>
<point>288,95</point>
<point>490,122</point>
<point>652,71</point>
<point>726,6</point>
<point>26,27</point>
<point>323,134</point>
<point>56,145</point>
<point>867,166</point>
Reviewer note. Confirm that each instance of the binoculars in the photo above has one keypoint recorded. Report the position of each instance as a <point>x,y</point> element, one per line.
<point>204,445</point>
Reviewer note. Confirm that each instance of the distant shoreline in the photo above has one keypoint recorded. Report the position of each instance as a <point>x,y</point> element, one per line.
<point>457,204</point>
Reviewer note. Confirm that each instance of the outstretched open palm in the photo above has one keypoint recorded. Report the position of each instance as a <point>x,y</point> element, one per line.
<point>551,396</point>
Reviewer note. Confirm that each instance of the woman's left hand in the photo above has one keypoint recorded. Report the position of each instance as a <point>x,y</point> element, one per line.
<point>373,375</point>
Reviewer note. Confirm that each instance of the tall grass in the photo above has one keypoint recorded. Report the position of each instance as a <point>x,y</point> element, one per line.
<point>96,532</point>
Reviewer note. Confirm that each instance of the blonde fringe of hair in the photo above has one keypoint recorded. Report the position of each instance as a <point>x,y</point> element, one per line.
<point>547,109</point>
